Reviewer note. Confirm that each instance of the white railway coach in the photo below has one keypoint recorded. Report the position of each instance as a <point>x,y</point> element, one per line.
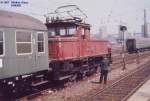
<point>137,44</point>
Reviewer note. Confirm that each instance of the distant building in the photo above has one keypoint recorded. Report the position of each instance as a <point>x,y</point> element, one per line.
<point>147,29</point>
<point>96,36</point>
<point>103,32</point>
<point>138,34</point>
<point>113,38</point>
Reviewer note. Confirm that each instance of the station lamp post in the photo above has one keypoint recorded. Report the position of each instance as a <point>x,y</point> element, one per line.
<point>123,29</point>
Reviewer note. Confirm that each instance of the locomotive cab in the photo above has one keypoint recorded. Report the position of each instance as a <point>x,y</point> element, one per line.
<point>67,28</point>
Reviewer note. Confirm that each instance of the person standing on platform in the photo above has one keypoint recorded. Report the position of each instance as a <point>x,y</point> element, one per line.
<point>104,66</point>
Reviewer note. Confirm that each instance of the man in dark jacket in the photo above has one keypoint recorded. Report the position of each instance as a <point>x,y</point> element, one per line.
<point>104,65</point>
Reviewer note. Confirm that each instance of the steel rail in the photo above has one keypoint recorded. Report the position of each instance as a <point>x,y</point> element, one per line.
<point>118,81</point>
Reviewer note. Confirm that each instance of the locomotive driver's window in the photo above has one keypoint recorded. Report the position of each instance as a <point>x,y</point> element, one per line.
<point>1,43</point>
<point>62,31</point>
<point>71,30</point>
<point>57,31</point>
<point>40,41</point>
<point>82,33</point>
<point>87,31</point>
<point>23,42</point>
<point>51,32</point>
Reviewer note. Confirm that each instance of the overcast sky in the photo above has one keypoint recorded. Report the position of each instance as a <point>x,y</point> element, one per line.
<point>108,13</point>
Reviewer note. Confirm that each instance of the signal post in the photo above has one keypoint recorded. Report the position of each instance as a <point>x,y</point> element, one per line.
<point>123,29</point>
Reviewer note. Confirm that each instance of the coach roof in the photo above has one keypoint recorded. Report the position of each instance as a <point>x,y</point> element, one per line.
<point>16,20</point>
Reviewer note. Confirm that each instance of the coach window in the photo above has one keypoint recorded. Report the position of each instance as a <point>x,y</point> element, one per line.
<point>40,37</point>
<point>23,42</point>
<point>1,43</point>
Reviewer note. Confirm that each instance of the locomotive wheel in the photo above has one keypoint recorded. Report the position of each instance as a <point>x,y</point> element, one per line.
<point>84,74</point>
<point>2,96</point>
<point>6,93</point>
<point>80,76</point>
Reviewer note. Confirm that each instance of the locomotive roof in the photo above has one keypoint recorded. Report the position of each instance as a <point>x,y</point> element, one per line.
<point>67,23</point>
<point>16,20</point>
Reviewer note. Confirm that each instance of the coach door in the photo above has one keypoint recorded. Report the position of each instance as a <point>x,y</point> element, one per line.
<point>40,49</point>
<point>25,51</point>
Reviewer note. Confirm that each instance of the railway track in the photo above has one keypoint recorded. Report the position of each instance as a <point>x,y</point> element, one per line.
<point>130,58</point>
<point>122,88</point>
<point>43,91</point>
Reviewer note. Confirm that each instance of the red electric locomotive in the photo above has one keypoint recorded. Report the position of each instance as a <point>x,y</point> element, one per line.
<point>72,52</point>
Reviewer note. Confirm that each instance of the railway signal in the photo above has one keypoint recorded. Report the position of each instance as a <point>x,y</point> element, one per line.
<point>123,29</point>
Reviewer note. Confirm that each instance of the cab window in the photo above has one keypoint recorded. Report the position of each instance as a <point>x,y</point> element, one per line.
<point>87,31</point>
<point>71,30</point>
<point>83,33</point>
<point>51,32</point>
<point>62,31</point>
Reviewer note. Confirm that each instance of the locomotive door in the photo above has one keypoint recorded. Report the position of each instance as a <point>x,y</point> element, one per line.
<point>83,43</point>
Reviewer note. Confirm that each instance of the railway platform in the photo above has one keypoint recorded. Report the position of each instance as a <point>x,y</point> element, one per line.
<point>142,94</point>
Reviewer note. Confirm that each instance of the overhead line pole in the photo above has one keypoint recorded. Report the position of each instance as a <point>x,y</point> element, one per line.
<point>145,24</point>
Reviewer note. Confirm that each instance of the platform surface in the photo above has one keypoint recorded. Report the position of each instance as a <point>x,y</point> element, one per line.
<point>143,94</point>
